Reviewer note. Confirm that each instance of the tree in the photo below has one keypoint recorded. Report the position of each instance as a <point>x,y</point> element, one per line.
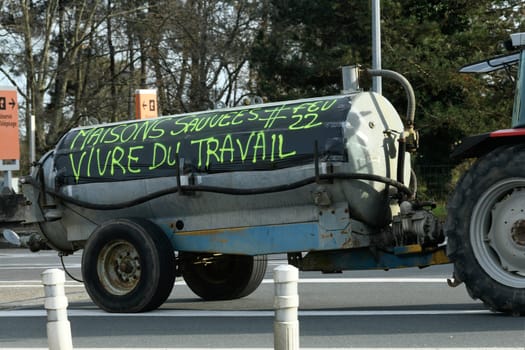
<point>62,76</point>
<point>74,61</point>
<point>428,42</point>
<point>78,60</point>
<point>304,43</point>
<point>202,52</point>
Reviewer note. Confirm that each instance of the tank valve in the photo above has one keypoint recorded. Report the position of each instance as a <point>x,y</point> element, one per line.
<point>411,137</point>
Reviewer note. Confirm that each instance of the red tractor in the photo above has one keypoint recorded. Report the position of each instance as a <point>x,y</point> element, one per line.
<point>486,213</point>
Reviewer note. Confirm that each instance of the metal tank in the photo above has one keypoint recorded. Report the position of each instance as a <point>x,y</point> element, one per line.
<point>255,147</point>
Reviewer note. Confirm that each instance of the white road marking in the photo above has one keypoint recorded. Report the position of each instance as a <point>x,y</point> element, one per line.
<point>71,284</point>
<point>260,313</point>
<point>38,286</point>
<point>432,348</point>
<point>369,280</point>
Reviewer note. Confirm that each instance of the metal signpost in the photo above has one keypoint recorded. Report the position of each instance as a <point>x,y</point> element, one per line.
<point>376,45</point>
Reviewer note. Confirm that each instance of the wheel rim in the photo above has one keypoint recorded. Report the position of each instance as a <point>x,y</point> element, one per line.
<point>497,232</point>
<point>119,267</point>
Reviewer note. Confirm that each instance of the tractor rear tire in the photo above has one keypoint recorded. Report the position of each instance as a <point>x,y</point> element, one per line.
<point>128,265</point>
<point>485,228</point>
<point>222,277</point>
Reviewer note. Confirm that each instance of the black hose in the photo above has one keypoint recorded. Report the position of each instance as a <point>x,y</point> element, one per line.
<point>65,269</point>
<point>401,160</point>
<point>231,191</point>
<point>115,206</point>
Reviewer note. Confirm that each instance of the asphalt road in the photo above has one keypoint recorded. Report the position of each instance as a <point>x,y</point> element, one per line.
<point>408,308</point>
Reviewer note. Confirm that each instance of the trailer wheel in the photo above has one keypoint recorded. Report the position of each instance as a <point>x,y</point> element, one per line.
<point>128,265</point>
<point>485,227</point>
<point>222,277</point>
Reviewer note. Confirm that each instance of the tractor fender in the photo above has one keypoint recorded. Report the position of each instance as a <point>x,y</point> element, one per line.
<point>479,145</point>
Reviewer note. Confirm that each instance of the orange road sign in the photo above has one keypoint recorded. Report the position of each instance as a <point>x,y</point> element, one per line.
<point>146,103</point>
<point>9,138</point>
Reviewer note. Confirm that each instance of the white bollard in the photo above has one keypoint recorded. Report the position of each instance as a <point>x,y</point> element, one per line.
<point>286,302</point>
<point>58,327</point>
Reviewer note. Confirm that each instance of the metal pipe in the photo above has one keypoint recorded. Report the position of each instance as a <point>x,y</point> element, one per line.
<point>376,45</point>
<point>411,97</point>
<point>350,79</point>
<point>32,131</point>
<point>8,181</point>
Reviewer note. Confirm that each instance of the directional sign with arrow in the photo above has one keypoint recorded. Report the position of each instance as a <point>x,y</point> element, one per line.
<point>9,139</point>
<point>146,103</point>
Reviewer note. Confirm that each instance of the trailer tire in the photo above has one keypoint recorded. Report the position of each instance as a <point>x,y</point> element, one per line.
<point>485,228</point>
<point>222,277</point>
<point>128,265</point>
